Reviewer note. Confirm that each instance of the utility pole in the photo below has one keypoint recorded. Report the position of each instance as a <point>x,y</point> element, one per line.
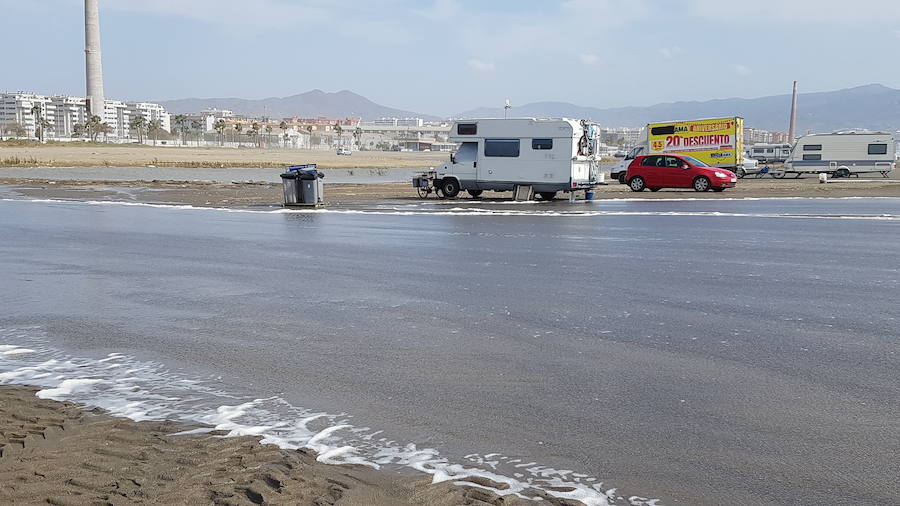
<point>93,63</point>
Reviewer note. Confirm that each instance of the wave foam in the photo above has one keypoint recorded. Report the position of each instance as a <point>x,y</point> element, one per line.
<point>140,390</point>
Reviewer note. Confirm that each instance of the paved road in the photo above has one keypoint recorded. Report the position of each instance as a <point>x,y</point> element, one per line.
<point>698,359</point>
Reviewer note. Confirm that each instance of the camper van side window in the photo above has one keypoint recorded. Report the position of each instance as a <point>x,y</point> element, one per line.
<point>467,129</point>
<point>812,147</point>
<point>507,148</point>
<point>812,157</point>
<point>877,149</point>
<point>541,143</point>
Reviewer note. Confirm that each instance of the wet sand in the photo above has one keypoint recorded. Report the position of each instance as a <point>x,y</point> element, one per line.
<point>250,194</point>
<point>56,453</point>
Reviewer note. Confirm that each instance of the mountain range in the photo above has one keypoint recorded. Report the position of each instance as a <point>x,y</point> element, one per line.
<point>312,104</point>
<point>873,106</point>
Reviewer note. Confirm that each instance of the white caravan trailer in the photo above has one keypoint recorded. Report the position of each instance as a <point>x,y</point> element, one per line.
<point>549,155</point>
<point>769,153</point>
<point>842,154</point>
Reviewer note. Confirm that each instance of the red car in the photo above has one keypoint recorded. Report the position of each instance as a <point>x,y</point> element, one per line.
<point>677,171</point>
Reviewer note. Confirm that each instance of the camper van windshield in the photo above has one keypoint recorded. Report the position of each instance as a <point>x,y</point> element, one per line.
<point>694,161</point>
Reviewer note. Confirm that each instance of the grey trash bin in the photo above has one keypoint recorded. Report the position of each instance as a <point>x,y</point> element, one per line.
<point>292,189</point>
<point>303,187</point>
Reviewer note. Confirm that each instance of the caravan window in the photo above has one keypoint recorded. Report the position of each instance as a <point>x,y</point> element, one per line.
<point>812,147</point>
<point>507,148</point>
<point>541,143</point>
<point>877,149</point>
<point>812,157</point>
<point>467,129</point>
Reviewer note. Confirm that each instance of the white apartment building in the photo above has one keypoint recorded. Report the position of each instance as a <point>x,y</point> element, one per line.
<point>62,113</point>
<point>394,122</point>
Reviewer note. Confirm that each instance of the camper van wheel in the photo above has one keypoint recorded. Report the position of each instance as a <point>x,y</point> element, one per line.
<point>450,188</point>
<point>475,193</point>
<point>741,173</point>
<point>701,184</point>
<point>637,184</point>
<point>779,174</point>
<point>842,172</point>
<point>547,195</point>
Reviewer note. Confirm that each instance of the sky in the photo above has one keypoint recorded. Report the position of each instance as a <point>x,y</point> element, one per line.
<point>446,56</point>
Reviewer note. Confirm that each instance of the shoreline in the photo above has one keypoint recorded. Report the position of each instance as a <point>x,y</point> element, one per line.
<point>59,453</point>
<point>254,194</point>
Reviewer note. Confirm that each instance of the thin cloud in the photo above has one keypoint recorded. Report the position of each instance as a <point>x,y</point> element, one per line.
<point>797,12</point>
<point>589,59</point>
<point>670,53</point>
<point>741,70</point>
<point>481,66</point>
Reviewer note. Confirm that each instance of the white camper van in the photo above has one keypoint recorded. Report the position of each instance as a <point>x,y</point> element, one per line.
<point>842,154</point>
<point>549,155</point>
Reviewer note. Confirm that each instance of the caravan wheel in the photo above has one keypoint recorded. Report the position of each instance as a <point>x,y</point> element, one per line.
<point>842,172</point>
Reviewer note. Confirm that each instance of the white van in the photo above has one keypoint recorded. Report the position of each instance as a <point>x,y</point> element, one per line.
<point>550,155</point>
<point>842,154</point>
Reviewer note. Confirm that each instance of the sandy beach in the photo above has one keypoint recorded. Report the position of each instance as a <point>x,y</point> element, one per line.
<point>243,194</point>
<point>56,453</point>
<point>136,155</point>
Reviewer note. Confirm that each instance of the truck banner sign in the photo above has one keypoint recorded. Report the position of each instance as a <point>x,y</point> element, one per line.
<point>717,142</point>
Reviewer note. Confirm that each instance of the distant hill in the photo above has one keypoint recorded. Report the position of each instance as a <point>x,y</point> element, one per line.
<point>873,106</point>
<point>343,104</point>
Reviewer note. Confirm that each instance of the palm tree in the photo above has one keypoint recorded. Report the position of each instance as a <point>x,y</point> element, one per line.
<point>197,128</point>
<point>36,114</point>
<point>340,132</point>
<point>138,123</point>
<point>180,120</point>
<point>254,132</point>
<point>283,126</point>
<point>219,127</point>
<point>153,129</point>
<point>95,126</point>
<point>357,134</point>
<point>239,128</point>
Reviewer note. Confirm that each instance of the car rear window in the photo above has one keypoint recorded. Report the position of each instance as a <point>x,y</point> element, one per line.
<point>650,161</point>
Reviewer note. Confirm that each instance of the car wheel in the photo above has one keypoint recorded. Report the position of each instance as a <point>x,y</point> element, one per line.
<point>701,184</point>
<point>450,187</point>
<point>740,173</point>
<point>474,193</point>
<point>621,178</point>
<point>637,184</point>
<point>547,195</point>
<point>655,189</point>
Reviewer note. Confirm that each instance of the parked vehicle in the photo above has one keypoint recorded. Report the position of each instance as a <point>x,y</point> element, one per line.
<point>718,142</point>
<point>550,155</point>
<point>344,151</point>
<point>843,154</point>
<point>769,153</point>
<point>677,171</point>
<point>750,166</point>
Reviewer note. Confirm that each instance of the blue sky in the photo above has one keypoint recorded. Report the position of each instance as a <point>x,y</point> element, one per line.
<point>446,56</point>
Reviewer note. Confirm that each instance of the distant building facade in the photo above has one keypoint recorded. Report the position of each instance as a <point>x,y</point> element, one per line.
<point>60,114</point>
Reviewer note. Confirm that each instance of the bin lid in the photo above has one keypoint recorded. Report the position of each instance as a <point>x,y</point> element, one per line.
<point>289,175</point>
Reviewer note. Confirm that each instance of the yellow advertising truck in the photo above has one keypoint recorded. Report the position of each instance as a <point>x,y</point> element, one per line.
<point>718,142</point>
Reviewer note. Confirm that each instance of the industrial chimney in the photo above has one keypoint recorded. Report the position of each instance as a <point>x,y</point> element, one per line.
<point>93,65</point>
<point>793,128</point>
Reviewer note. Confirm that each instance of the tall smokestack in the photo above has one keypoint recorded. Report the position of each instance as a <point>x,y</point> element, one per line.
<point>793,128</point>
<point>93,65</point>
